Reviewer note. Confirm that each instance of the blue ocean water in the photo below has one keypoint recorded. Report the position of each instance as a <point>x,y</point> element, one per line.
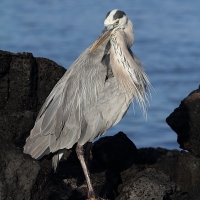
<point>167,41</point>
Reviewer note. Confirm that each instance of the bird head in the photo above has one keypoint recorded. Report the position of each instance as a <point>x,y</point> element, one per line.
<point>115,20</point>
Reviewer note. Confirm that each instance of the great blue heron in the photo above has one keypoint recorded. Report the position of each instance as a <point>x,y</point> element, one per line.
<point>93,95</point>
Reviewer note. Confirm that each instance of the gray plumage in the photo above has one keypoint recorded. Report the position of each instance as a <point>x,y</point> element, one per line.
<point>93,94</point>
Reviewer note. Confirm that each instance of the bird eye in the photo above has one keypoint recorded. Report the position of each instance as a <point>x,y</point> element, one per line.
<point>117,22</point>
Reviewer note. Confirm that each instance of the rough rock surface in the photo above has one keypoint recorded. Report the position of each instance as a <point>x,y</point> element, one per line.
<point>148,184</point>
<point>185,121</point>
<point>25,82</point>
<point>123,157</point>
<point>188,172</point>
<point>118,169</point>
<point>18,172</point>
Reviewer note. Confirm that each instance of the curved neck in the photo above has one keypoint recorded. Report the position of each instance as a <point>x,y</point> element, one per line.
<point>128,70</point>
<point>119,62</point>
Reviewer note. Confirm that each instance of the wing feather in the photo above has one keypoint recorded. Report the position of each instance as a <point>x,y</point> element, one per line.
<point>60,118</point>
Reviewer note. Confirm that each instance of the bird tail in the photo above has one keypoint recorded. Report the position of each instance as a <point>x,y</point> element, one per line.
<point>56,158</point>
<point>37,145</point>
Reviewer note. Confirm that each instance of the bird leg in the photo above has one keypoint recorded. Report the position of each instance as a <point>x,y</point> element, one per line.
<point>88,154</point>
<point>80,153</point>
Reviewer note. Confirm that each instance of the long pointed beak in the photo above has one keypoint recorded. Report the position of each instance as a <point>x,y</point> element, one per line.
<point>104,35</point>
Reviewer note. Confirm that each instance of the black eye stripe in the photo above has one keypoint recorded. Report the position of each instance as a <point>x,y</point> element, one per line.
<point>119,14</point>
<point>107,14</point>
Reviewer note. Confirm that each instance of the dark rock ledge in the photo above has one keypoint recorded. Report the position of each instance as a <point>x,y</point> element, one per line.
<point>118,169</point>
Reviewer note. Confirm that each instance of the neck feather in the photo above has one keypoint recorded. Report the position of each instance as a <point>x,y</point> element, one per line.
<point>128,70</point>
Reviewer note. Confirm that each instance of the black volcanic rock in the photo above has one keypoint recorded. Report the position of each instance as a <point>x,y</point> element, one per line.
<point>18,172</point>
<point>148,184</point>
<point>185,121</point>
<point>188,171</point>
<point>124,148</point>
<point>25,82</point>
